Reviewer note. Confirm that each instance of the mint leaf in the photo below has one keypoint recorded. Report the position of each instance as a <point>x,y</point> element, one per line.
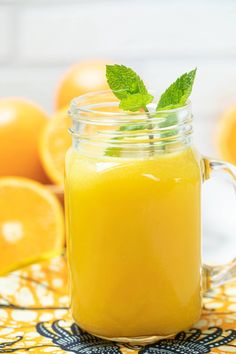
<point>113,151</point>
<point>124,81</point>
<point>135,102</point>
<point>177,93</point>
<point>128,87</point>
<point>128,127</point>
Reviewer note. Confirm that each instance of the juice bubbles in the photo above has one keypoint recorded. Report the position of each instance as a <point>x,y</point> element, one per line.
<point>134,242</point>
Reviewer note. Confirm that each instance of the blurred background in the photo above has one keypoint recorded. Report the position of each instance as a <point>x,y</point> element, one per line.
<point>161,39</point>
<point>40,40</point>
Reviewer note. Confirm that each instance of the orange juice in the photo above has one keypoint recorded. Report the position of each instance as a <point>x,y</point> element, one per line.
<point>134,243</point>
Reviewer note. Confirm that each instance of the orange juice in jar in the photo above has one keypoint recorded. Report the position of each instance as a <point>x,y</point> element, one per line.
<point>133,220</point>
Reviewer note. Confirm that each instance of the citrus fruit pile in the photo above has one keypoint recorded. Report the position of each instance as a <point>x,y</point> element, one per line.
<point>32,151</point>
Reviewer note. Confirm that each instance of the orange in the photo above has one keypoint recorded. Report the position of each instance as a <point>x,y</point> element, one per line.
<point>21,122</point>
<point>54,142</point>
<point>81,78</point>
<point>31,223</point>
<point>226,136</point>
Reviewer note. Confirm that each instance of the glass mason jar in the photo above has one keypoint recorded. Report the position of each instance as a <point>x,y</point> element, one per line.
<point>133,206</point>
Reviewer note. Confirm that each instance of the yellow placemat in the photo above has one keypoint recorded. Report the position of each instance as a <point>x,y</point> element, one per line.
<point>34,317</point>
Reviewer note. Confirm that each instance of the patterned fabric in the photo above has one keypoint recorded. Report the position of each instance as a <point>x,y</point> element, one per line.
<point>34,318</point>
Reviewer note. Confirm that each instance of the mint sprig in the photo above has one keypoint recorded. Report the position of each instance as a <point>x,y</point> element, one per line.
<point>128,87</point>
<point>177,93</point>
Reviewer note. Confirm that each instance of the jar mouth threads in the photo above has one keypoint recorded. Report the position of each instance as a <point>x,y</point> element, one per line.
<point>98,121</point>
<point>90,105</point>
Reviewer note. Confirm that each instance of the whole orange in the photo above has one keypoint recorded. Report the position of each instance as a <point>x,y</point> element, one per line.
<point>226,135</point>
<point>81,78</point>
<point>21,123</point>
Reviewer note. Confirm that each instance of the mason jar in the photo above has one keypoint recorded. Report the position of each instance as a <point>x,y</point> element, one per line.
<point>133,210</point>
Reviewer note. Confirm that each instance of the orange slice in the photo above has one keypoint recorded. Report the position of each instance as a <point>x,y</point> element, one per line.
<point>226,136</point>
<point>54,142</point>
<point>31,223</point>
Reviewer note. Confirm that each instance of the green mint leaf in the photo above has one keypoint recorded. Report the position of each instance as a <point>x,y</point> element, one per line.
<point>128,87</point>
<point>177,93</point>
<point>128,127</point>
<point>113,152</point>
<point>135,102</point>
<point>124,81</point>
<point>116,151</point>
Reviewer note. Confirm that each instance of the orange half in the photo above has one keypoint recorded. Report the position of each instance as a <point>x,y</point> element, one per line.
<point>54,142</point>
<point>31,223</point>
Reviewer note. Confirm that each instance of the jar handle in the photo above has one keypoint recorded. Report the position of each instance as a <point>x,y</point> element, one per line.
<point>215,276</point>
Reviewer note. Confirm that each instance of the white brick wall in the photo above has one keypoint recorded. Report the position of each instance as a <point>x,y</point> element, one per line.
<point>5,34</point>
<point>160,38</point>
<point>131,29</point>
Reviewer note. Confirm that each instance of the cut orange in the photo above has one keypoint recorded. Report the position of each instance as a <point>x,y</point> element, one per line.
<point>54,142</point>
<point>226,136</point>
<point>31,223</point>
<point>81,78</point>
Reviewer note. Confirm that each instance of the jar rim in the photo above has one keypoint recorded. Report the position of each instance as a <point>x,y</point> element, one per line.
<point>131,130</point>
<point>78,106</point>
